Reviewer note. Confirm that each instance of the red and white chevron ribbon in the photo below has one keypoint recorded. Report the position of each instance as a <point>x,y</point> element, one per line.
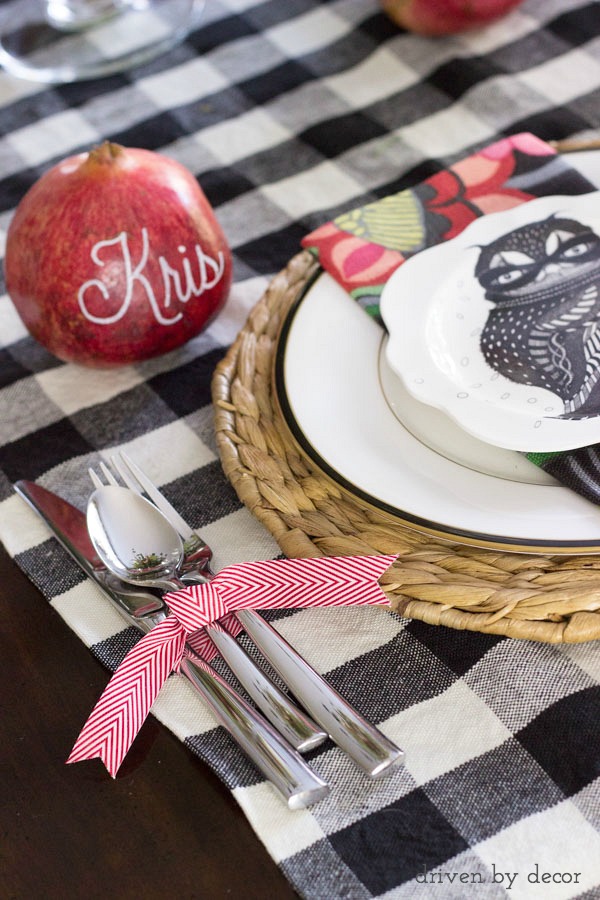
<point>283,583</point>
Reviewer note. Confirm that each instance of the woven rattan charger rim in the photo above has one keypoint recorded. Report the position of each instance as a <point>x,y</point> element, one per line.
<point>549,598</point>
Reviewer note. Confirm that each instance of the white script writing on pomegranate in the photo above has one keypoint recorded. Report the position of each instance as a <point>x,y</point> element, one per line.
<point>197,275</point>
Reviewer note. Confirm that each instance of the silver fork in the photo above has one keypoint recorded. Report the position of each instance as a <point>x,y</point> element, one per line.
<point>366,745</point>
<point>291,722</point>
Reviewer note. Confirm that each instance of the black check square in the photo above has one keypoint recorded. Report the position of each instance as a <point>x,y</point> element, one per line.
<point>113,650</point>
<point>221,185</point>
<point>577,26</point>
<point>50,568</point>
<point>152,134</point>
<point>230,764</point>
<point>335,136</point>
<point>570,724</point>
<point>458,76</point>
<point>203,496</point>
<point>398,842</point>
<point>465,650</point>
<point>487,794</point>
<point>10,369</point>
<point>221,32</point>
<point>269,85</point>
<point>186,388</point>
<point>394,679</point>
<point>33,454</point>
<point>128,415</point>
<point>28,353</point>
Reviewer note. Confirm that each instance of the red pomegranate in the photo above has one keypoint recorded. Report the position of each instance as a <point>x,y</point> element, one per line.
<point>116,256</point>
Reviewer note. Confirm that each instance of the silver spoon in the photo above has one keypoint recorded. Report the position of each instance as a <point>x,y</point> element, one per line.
<point>115,514</point>
<point>133,539</point>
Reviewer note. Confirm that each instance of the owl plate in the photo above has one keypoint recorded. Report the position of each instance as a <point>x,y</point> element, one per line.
<point>500,326</point>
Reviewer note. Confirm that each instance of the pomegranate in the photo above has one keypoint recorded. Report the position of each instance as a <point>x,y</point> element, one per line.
<point>115,256</point>
<point>435,17</point>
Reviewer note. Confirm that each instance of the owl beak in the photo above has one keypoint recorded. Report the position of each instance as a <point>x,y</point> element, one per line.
<point>548,271</point>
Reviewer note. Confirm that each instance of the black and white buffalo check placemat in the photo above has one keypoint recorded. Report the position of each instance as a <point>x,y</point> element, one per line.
<point>289,114</point>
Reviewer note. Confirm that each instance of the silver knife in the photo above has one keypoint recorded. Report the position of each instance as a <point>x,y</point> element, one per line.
<point>277,760</point>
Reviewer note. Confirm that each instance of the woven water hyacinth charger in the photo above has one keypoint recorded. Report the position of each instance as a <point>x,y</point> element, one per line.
<point>549,598</point>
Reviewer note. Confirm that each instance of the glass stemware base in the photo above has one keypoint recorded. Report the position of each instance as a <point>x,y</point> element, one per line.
<point>58,41</point>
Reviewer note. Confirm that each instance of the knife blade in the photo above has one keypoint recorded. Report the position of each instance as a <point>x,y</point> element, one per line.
<point>68,524</point>
<point>283,766</point>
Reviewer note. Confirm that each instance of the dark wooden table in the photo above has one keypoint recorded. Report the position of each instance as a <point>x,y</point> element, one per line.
<point>165,827</point>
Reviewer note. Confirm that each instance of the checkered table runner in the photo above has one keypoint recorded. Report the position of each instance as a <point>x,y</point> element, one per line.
<point>290,114</point>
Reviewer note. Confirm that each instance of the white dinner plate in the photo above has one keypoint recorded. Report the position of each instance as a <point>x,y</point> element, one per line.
<point>500,326</point>
<point>350,415</point>
<point>328,379</point>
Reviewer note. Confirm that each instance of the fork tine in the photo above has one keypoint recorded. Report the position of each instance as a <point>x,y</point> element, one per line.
<point>96,481</point>
<point>108,474</point>
<point>158,498</point>
<point>125,474</point>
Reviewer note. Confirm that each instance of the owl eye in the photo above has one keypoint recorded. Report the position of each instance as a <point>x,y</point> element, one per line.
<point>580,247</point>
<point>576,250</point>
<point>509,277</point>
<point>500,278</point>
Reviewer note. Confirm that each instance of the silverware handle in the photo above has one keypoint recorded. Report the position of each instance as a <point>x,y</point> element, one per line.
<point>371,750</point>
<point>293,724</point>
<point>279,763</point>
<point>300,731</point>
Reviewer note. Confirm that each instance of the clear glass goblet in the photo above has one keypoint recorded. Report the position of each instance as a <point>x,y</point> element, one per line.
<point>58,41</point>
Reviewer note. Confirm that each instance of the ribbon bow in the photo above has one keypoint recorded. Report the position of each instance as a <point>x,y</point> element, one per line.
<point>284,584</point>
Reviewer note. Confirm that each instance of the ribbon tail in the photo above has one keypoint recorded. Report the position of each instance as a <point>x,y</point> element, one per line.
<point>125,703</point>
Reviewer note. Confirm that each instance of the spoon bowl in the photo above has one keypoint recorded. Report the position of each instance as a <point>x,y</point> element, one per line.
<point>114,514</point>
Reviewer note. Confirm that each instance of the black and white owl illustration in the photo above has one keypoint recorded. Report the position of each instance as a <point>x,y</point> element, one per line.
<point>544,328</point>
